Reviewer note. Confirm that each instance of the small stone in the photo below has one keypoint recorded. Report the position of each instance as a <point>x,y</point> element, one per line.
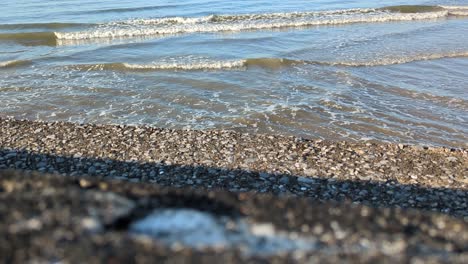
<point>452,159</point>
<point>92,170</point>
<point>305,180</point>
<point>84,183</point>
<point>42,165</point>
<point>284,180</point>
<point>10,155</point>
<point>311,172</point>
<point>18,164</point>
<point>91,225</point>
<point>363,193</point>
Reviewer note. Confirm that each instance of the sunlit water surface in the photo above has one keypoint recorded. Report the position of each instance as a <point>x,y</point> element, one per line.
<point>353,70</point>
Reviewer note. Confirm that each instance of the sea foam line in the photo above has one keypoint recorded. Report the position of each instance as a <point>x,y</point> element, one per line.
<point>402,60</point>
<point>186,66</point>
<point>267,63</point>
<point>222,23</point>
<point>213,65</point>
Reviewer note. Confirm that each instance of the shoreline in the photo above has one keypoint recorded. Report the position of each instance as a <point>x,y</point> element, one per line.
<point>381,175</point>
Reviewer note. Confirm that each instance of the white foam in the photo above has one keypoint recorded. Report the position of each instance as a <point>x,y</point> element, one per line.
<point>402,60</point>
<point>222,23</point>
<point>205,65</point>
<point>4,64</point>
<point>459,12</point>
<point>456,10</point>
<point>164,21</point>
<point>454,7</point>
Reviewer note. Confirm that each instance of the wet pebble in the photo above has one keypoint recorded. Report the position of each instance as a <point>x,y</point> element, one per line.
<point>236,161</point>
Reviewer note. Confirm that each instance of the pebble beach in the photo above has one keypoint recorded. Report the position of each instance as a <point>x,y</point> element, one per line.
<point>382,180</point>
<point>429,178</point>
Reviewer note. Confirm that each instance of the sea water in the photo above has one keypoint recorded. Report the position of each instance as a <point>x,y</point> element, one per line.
<point>392,71</point>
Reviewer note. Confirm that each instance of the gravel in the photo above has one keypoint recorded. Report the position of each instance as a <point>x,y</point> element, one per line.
<point>375,174</point>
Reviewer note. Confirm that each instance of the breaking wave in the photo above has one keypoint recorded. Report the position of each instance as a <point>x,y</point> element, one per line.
<point>267,63</point>
<point>55,33</point>
<point>30,38</point>
<point>222,23</point>
<point>13,63</point>
<point>457,10</point>
<point>190,66</point>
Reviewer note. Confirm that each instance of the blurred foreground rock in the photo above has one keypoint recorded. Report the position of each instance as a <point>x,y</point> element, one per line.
<point>63,219</point>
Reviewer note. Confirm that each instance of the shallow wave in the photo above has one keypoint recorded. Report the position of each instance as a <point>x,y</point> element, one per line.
<point>401,60</point>
<point>132,9</point>
<point>14,63</point>
<point>267,63</point>
<point>412,8</point>
<point>457,10</point>
<point>47,26</point>
<point>273,63</point>
<point>221,23</point>
<point>439,99</point>
<point>30,38</point>
<point>212,65</point>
